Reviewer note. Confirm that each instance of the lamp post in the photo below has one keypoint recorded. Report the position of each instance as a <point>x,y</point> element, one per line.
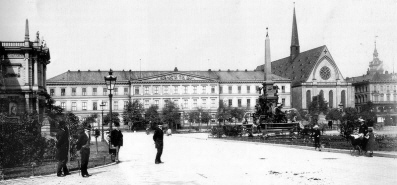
<point>110,83</point>
<point>102,105</point>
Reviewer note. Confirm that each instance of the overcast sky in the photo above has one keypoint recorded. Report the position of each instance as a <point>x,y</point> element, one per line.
<point>200,34</point>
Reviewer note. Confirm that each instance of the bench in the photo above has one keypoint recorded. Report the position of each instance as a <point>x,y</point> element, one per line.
<point>276,129</point>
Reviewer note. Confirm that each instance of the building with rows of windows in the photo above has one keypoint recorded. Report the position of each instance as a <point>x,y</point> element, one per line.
<point>82,92</point>
<point>379,87</point>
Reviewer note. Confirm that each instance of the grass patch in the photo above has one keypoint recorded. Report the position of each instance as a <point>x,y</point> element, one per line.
<point>50,167</point>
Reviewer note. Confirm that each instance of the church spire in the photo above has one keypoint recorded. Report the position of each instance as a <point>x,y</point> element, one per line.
<point>268,65</point>
<point>294,39</point>
<point>375,51</point>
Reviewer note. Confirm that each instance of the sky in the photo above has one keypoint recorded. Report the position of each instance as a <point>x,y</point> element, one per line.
<point>199,35</point>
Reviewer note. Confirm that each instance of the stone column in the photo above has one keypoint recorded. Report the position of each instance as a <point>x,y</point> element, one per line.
<point>35,68</point>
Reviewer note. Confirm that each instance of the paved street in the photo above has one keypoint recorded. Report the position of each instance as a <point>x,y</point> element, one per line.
<point>194,159</point>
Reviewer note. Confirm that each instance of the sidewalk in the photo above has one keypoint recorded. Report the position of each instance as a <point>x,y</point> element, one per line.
<point>391,154</point>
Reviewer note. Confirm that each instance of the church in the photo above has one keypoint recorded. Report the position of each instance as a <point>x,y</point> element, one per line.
<point>312,72</point>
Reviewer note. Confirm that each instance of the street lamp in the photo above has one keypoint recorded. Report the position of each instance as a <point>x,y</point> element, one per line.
<point>110,83</point>
<point>102,105</point>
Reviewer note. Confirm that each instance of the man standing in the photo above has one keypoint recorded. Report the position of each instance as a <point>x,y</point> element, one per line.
<point>158,141</point>
<point>316,135</point>
<point>363,130</point>
<point>116,138</point>
<point>83,144</point>
<point>62,146</point>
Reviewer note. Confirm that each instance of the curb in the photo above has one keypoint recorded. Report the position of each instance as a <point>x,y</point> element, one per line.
<point>53,174</point>
<point>334,150</point>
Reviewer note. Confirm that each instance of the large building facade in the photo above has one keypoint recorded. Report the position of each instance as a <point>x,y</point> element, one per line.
<point>312,72</point>
<point>379,87</point>
<point>82,92</point>
<point>23,68</point>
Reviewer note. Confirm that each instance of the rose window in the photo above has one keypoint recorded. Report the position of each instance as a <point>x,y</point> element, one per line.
<point>325,73</point>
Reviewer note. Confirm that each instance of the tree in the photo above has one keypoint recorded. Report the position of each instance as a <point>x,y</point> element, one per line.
<point>205,116</point>
<point>349,121</point>
<point>304,114</point>
<point>193,116</point>
<point>170,114</point>
<point>367,113</point>
<point>133,112</point>
<point>90,119</point>
<point>318,105</point>
<point>237,114</point>
<point>334,114</point>
<point>223,112</point>
<point>152,115</point>
<point>115,118</point>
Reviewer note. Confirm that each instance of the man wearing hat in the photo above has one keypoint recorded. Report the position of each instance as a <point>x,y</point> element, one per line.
<point>83,144</point>
<point>62,146</point>
<point>316,135</point>
<point>158,141</point>
<point>363,129</point>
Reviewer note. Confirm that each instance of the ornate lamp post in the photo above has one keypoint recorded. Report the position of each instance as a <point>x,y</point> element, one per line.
<point>102,105</point>
<point>110,83</point>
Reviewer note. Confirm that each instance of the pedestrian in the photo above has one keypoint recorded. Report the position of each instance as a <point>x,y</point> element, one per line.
<point>316,135</point>
<point>159,142</point>
<point>62,146</point>
<point>371,141</point>
<point>83,144</point>
<point>116,138</point>
<point>330,124</point>
<point>363,129</point>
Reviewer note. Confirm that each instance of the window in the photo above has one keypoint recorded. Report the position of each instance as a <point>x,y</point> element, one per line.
<point>257,89</point>
<point>220,90</point>
<point>84,91</point>
<point>230,102</point>
<point>212,89</point>
<point>94,105</point>
<point>248,89</point>
<point>116,105</point>
<point>194,103</point>
<point>105,91</point>
<point>176,103</point>
<point>146,90</point>
<point>94,90</point>
<point>136,92</point>
<point>204,89</point>
<point>52,92</point>
<point>381,88</point>
<point>230,89</point>
<point>63,105</point>
<point>116,91</point>
<point>165,89</point>
<point>105,105</point>
<point>204,102</point>
<point>73,91</point>
<point>283,101</point>
<point>185,103</point>
<point>156,102</point>
<point>239,102</point>
<point>388,97</point>
<point>63,92</point>
<point>146,104</point>
<point>84,105</point>
<point>239,89</point>
<point>283,89</point>
<point>175,89</point>
<point>195,89</point>
<point>156,89</point>
<point>74,106</point>
<point>212,102</point>
<point>125,104</point>
<point>248,103</point>
<point>125,91</point>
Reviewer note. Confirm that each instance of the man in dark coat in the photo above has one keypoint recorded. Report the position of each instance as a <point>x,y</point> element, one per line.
<point>316,135</point>
<point>363,129</point>
<point>62,146</point>
<point>158,141</point>
<point>83,144</point>
<point>116,138</point>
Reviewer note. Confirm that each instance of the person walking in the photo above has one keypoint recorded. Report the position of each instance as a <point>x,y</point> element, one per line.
<point>330,124</point>
<point>158,141</point>
<point>316,135</point>
<point>363,129</point>
<point>83,144</point>
<point>62,146</point>
<point>371,142</point>
<point>116,138</point>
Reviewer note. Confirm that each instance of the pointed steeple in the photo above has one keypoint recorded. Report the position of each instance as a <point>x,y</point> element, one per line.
<point>375,51</point>
<point>268,69</point>
<point>295,49</point>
